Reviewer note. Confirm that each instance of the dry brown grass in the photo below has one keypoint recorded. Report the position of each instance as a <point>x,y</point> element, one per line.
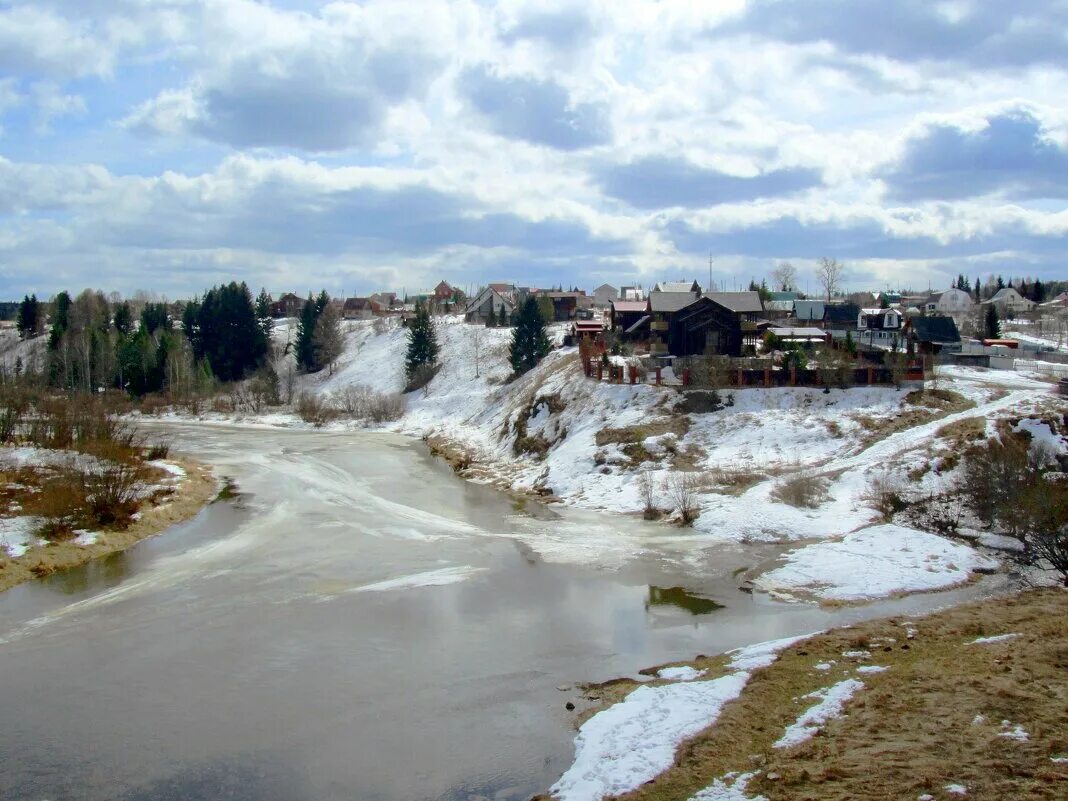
<point>631,440</point>
<point>803,490</point>
<point>911,730</point>
<point>917,408</point>
<point>156,516</point>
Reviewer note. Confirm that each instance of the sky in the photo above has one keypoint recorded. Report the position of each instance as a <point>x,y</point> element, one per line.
<point>169,145</point>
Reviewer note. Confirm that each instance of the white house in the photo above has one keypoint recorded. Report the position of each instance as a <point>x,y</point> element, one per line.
<point>1010,302</point>
<point>950,302</point>
<point>489,299</point>
<point>604,295</point>
<point>879,320</point>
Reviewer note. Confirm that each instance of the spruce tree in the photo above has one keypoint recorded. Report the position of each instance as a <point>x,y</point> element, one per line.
<point>305,353</point>
<point>263,312</point>
<point>29,317</point>
<point>123,318</point>
<point>992,324</point>
<point>60,319</point>
<point>529,341</point>
<point>422,345</point>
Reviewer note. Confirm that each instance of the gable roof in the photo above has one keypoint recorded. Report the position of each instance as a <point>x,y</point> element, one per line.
<point>741,302</point>
<point>607,286</point>
<point>840,312</point>
<point>630,305</point>
<point>809,309</point>
<point>670,301</point>
<point>791,295</point>
<point>677,286</point>
<point>935,329</point>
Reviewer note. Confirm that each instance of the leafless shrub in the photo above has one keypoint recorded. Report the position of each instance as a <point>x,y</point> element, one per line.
<point>647,491</point>
<point>884,496</point>
<point>803,490</point>
<point>682,489</point>
<point>312,409</point>
<point>364,403</point>
<point>422,377</point>
<point>107,494</point>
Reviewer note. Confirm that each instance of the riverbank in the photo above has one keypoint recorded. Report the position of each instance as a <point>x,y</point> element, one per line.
<point>963,702</point>
<point>193,489</point>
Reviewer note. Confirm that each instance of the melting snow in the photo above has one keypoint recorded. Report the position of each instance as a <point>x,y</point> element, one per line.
<point>622,747</point>
<point>873,563</point>
<point>720,790</point>
<point>997,638</point>
<point>956,789</point>
<point>832,701</point>
<point>684,673</point>
<point>872,668</point>
<point>1017,732</point>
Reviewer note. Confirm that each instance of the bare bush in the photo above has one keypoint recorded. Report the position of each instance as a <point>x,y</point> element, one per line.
<point>803,490</point>
<point>364,403</point>
<point>884,495</point>
<point>647,491</point>
<point>313,409</point>
<point>422,377</point>
<point>105,495</point>
<point>682,489</point>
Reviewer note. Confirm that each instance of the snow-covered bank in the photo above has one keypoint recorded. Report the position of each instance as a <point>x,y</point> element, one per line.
<point>586,443</point>
<point>626,745</point>
<point>875,562</point>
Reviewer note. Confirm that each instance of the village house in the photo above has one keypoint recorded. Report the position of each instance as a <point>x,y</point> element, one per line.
<point>678,286</point>
<point>929,335</point>
<point>491,300</point>
<point>289,305</point>
<point>361,308</point>
<point>841,316</point>
<point>630,319</point>
<point>809,311</point>
<point>604,295</point>
<point>565,304</point>
<point>717,323</point>
<point>1010,303</point>
<point>631,293</point>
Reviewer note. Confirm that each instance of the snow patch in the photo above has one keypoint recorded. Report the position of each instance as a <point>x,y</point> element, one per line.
<point>872,669</point>
<point>1017,732</point>
<point>873,563</point>
<point>956,789</point>
<point>720,790</point>
<point>832,701</point>
<point>17,534</point>
<point>684,673</point>
<point>626,745</point>
<point>997,638</point>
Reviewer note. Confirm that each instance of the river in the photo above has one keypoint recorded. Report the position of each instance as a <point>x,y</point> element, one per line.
<point>357,624</point>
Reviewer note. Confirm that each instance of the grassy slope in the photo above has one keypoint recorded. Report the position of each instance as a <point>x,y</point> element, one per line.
<point>913,729</point>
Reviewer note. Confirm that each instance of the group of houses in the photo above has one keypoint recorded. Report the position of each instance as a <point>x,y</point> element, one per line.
<point>680,318</point>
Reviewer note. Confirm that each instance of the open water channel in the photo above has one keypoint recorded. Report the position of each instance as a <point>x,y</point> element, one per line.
<point>358,624</point>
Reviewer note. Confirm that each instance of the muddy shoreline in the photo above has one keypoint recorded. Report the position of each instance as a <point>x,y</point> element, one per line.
<point>191,495</point>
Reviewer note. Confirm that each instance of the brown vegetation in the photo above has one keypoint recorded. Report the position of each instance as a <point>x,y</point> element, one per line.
<point>804,490</point>
<point>933,718</point>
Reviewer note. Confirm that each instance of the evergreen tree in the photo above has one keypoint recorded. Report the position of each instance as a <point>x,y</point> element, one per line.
<point>263,312</point>
<point>305,349</point>
<point>529,341</point>
<point>422,344</point>
<point>123,318</point>
<point>28,317</point>
<point>328,339</point>
<point>545,308</point>
<point>155,317</point>
<point>226,331</point>
<point>1001,284</point>
<point>978,289</point>
<point>60,319</point>
<point>1038,292</point>
<point>991,323</point>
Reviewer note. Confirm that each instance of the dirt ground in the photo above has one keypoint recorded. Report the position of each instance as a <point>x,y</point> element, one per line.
<point>936,717</point>
<point>197,489</point>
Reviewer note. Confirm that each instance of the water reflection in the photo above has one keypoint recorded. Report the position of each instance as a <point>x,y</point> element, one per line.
<point>102,573</point>
<point>677,596</point>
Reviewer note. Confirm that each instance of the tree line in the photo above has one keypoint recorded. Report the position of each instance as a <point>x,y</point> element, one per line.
<point>223,336</point>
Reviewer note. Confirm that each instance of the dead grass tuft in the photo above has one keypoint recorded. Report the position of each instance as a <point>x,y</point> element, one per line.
<point>803,490</point>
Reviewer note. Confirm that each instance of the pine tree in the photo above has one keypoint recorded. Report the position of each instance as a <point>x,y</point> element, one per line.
<point>422,352</point>
<point>29,317</point>
<point>328,340</point>
<point>992,324</point>
<point>978,289</point>
<point>263,312</point>
<point>529,341</point>
<point>305,351</point>
<point>60,319</point>
<point>1038,292</point>
<point>123,318</point>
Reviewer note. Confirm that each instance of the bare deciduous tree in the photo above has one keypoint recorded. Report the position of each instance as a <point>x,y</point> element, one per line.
<point>829,272</point>
<point>784,276</point>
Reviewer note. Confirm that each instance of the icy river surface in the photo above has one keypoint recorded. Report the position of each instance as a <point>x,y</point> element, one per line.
<point>357,624</point>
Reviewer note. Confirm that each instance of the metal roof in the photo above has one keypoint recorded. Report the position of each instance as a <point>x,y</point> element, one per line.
<point>671,301</point>
<point>630,305</point>
<point>742,302</point>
